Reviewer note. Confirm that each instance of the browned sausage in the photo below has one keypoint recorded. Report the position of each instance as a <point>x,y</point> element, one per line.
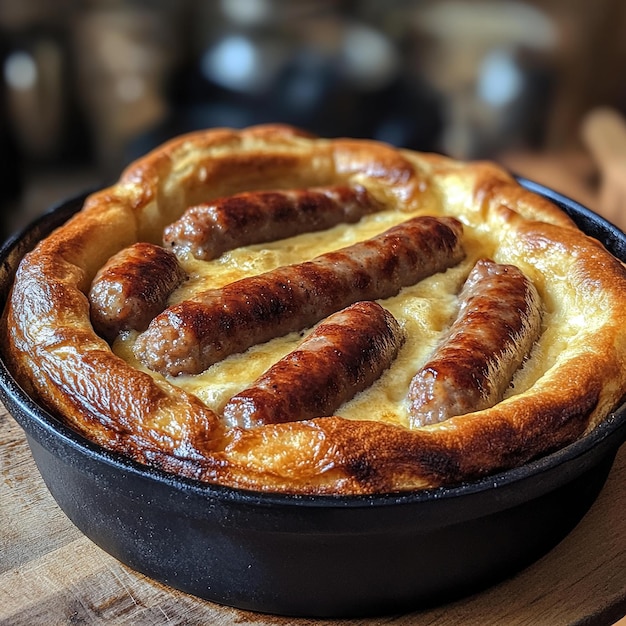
<point>344,355</point>
<point>499,321</point>
<point>192,335</point>
<point>208,230</point>
<point>133,287</point>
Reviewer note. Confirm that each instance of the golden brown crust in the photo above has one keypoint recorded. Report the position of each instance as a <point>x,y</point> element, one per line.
<point>575,379</point>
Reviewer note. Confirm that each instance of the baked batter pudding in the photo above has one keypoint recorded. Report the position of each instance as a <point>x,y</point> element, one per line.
<point>269,310</point>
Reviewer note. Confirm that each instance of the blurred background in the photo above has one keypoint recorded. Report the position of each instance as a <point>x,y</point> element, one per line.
<point>86,85</point>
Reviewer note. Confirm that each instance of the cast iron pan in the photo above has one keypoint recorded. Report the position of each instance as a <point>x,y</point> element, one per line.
<point>318,556</point>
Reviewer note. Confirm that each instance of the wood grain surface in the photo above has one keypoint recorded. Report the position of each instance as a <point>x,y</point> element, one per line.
<point>51,574</point>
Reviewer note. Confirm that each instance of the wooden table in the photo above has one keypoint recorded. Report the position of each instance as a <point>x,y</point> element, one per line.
<point>51,574</point>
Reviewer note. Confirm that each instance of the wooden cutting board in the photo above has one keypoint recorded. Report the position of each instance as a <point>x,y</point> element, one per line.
<point>51,574</point>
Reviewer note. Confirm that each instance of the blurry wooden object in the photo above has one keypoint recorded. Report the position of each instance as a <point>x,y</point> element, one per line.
<point>603,131</point>
<point>590,62</point>
<point>595,176</point>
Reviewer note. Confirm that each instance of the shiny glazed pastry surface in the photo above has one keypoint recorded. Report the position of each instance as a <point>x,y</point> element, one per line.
<point>538,334</point>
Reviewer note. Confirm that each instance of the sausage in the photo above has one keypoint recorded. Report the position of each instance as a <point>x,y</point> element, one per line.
<point>192,335</point>
<point>342,356</point>
<point>133,287</point>
<point>209,230</point>
<point>499,321</point>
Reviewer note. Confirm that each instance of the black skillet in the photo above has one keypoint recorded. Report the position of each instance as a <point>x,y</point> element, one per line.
<point>317,556</point>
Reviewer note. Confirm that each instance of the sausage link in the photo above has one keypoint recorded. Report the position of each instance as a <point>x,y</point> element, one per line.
<point>208,230</point>
<point>344,355</point>
<point>499,321</point>
<point>132,288</point>
<point>192,335</point>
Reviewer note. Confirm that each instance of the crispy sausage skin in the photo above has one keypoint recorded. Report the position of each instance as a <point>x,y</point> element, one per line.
<point>499,321</point>
<point>208,230</point>
<point>132,288</point>
<point>192,335</point>
<point>342,356</point>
